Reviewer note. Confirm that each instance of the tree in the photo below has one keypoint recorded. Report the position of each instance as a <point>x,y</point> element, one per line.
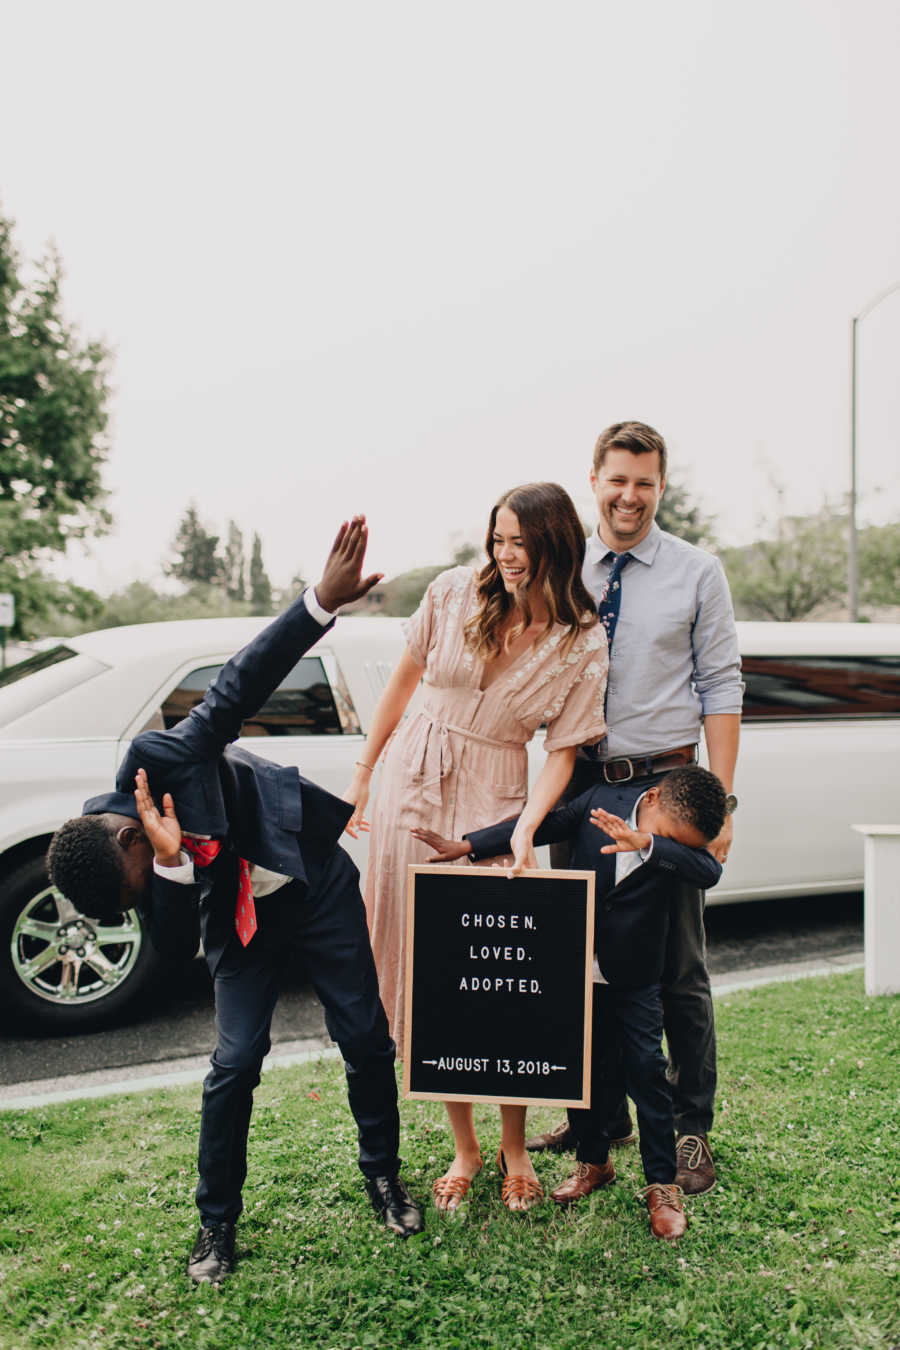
<point>233,566</point>
<point>139,602</point>
<point>197,561</point>
<point>53,417</point>
<point>678,516</point>
<point>260,586</point>
<point>801,566</point>
<point>879,564</point>
<point>46,606</point>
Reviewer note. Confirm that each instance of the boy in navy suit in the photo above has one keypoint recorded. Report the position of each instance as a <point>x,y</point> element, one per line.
<point>641,846</point>
<point>251,863</point>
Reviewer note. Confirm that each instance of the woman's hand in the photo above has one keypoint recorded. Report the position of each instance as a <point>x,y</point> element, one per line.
<point>358,794</point>
<point>445,850</point>
<point>626,839</point>
<point>162,831</point>
<point>523,855</point>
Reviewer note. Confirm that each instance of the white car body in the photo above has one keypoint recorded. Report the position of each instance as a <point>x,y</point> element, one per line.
<point>806,773</point>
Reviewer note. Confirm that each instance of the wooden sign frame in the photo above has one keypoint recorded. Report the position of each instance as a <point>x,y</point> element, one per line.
<point>517,965</point>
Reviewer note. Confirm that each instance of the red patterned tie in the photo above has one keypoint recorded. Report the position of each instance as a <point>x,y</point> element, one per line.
<point>203,851</point>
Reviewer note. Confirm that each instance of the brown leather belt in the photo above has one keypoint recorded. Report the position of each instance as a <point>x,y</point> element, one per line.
<point>626,767</point>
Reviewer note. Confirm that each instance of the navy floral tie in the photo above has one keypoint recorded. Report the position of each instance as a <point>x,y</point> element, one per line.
<point>611,599</point>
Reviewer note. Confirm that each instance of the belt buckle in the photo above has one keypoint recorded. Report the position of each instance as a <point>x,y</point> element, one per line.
<point>623,760</point>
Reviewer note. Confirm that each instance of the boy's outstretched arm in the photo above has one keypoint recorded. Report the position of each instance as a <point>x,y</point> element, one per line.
<point>445,850</point>
<point>245,682</point>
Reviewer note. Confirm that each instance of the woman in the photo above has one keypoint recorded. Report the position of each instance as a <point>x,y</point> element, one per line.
<point>500,651</point>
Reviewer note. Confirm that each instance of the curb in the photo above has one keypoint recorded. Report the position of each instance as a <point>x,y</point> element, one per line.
<point>177,1072</point>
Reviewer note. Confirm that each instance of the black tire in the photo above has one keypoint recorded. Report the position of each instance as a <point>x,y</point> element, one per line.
<point>99,974</point>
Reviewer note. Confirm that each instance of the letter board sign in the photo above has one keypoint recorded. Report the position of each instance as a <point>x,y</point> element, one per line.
<point>499,985</point>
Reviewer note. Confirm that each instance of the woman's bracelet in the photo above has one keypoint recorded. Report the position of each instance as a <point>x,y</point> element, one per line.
<point>363,765</point>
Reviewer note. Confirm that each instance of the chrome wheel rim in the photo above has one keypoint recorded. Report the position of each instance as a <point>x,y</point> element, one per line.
<point>64,958</point>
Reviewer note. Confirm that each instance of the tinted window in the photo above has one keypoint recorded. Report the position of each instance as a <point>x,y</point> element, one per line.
<point>821,686</point>
<point>302,705</point>
<point>32,683</point>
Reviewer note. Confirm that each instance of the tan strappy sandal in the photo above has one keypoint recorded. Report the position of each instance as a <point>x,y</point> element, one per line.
<point>449,1192</point>
<point>525,1190</point>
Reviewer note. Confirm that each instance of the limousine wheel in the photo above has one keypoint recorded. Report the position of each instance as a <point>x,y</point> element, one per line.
<point>61,970</point>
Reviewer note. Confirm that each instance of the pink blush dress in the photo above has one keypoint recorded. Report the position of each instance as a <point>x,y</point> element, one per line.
<point>458,761</point>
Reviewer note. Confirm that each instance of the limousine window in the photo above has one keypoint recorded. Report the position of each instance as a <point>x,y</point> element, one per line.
<point>302,705</point>
<point>820,687</point>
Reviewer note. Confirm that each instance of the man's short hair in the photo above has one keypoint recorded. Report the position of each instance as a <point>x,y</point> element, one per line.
<point>695,796</point>
<point>634,436</point>
<point>85,864</point>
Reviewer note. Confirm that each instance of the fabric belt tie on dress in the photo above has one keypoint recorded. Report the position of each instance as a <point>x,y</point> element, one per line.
<point>435,758</point>
<point>625,767</point>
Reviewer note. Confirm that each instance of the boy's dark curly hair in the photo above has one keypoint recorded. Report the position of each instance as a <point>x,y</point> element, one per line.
<point>84,863</point>
<point>695,796</point>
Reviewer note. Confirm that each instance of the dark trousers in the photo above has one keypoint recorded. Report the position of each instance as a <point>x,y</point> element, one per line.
<point>627,1044</point>
<point>687,1000</point>
<point>322,930</point>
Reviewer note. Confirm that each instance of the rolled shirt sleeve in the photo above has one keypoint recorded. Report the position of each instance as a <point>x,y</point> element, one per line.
<point>580,720</point>
<point>717,658</point>
<point>421,628</point>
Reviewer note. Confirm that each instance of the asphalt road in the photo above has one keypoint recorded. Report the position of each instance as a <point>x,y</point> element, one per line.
<point>742,938</point>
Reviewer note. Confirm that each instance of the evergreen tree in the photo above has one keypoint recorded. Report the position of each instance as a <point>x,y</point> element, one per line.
<point>234,563</point>
<point>678,515</point>
<point>196,561</point>
<point>260,586</point>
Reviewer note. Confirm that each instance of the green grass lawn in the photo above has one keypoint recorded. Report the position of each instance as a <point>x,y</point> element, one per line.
<point>799,1244</point>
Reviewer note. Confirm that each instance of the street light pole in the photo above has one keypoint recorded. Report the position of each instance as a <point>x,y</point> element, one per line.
<point>853,550</point>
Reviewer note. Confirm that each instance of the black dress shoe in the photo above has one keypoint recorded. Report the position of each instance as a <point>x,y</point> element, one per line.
<point>212,1258</point>
<point>393,1202</point>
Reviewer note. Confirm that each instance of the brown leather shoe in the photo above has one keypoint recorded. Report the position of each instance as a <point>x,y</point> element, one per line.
<point>622,1132</point>
<point>557,1140</point>
<point>562,1137</point>
<point>667,1217</point>
<point>587,1177</point>
<point>696,1170</point>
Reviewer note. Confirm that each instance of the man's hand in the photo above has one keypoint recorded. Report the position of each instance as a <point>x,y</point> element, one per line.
<point>626,839</point>
<point>342,580</point>
<point>445,850</point>
<point>721,845</point>
<point>163,831</point>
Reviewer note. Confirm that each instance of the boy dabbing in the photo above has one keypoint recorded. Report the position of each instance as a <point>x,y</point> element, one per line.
<point>209,839</point>
<point>642,847</point>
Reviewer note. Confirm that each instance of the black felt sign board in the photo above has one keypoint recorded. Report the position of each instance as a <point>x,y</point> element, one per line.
<point>498,986</point>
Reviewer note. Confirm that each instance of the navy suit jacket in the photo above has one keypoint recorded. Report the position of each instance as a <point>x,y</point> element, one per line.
<point>631,920</point>
<point>265,812</point>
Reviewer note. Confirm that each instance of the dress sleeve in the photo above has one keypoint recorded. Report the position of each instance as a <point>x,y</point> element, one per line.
<point>421,630</point>
<point>576,717</point>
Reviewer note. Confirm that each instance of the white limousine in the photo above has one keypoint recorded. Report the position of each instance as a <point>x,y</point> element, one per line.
<point>820,750</point>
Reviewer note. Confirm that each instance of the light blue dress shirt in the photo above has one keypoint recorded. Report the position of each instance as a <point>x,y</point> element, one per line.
<point>675,656</point>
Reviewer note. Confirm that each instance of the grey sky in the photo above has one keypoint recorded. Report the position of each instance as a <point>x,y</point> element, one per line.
<point>399,257</point>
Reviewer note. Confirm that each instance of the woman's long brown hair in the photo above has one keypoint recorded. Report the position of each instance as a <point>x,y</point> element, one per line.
<point>554,541</point>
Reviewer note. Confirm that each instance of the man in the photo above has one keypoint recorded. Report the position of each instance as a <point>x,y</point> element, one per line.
<point>639,865</point>
<point>208,839</point>
<point>674,666</point>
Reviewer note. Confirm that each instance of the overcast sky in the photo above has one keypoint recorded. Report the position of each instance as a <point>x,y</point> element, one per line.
<point>400,257</point>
